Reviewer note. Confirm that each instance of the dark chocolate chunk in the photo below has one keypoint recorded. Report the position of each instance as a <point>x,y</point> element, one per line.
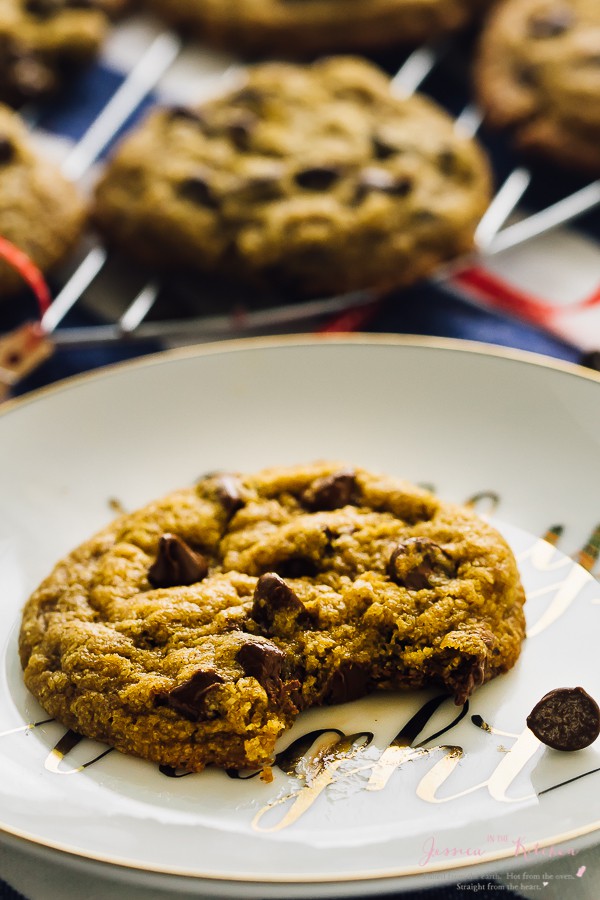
<point>197,190</point>
<point>7,150</point>
<point>264,661</point>
<point>260,659</point>
<point>272,594</point>
<point>331,491</point>
<point>349,682</point>
<point>176,564</point>
<point>317,178</point>
<point>565,719</point>
<point>189,698</point>
<point>415,562</point>
<point>468,678</point>
<point>227,489</point>
<point>551,23</point>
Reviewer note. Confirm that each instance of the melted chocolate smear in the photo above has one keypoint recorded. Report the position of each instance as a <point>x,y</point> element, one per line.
<point>565,719</point>
<point>189,698</point>
<point>176,564</point>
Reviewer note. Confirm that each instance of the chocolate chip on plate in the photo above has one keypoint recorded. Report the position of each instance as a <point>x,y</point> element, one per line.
<point>176,564</point>
<point>565,719</point>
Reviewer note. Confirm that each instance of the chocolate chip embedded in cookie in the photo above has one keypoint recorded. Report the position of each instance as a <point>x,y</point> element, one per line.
<point>538,75</point>
<point>309,180</point>
<point>303,27</point>
<point>41,212</point>
<point>566,719</point>
<point>42,41</point>
<point>326,582</point>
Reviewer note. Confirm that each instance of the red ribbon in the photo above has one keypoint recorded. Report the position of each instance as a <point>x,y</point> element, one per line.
<point>28,271</point>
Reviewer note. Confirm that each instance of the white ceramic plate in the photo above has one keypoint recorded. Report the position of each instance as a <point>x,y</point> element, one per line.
<point>464,418</point>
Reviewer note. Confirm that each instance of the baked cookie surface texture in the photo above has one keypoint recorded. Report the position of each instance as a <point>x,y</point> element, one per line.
<point>41,212</point>
<point>538,74</point>
<point>195,630</point>
<point>43,41</point>
<point>298,27</point>
<point>307,180</point>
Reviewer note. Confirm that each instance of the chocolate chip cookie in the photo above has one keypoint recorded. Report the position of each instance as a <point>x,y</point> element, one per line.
<point>40,211</point>
<point>306,180</point>
<point>42,41</point>
<point>195,630</point>
<point>302,27</point>
<point>538,74</point>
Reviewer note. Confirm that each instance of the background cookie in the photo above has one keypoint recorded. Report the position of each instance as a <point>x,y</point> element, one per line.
<point>308,180</point>
<point>538,73</point>
<point>194,630</point>
<point>42,40</point>
<point>296,27</point>
<point>40,211</point>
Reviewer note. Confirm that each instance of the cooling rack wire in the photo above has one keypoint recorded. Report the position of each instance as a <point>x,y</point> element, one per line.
<point>23,349</point>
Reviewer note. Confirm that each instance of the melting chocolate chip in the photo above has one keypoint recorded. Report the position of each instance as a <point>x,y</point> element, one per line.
<point>565,719</point>
<point>264,661</point>
<point>270,595</point>
<point>197,190</point>
<point>550,24</point>
<point>176,564</point>
<point>7,150</point>
<point>189,698</point>
<point>349,682</point>
<point>526,75</point>
<point>331,491</point>
<point>317,178</point>
<point>468,679</point>
<point>260,659</point>
<point>416,561</point>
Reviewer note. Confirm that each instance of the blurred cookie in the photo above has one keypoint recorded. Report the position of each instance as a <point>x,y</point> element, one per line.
<point>538,74</point>
<point>296,28</point>
<point>308,180</point>
<point>195,630</point>
<point>40,211</point>
<point>42,41</point>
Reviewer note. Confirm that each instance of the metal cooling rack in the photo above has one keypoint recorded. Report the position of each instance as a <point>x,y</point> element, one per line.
<point>139,317</point>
